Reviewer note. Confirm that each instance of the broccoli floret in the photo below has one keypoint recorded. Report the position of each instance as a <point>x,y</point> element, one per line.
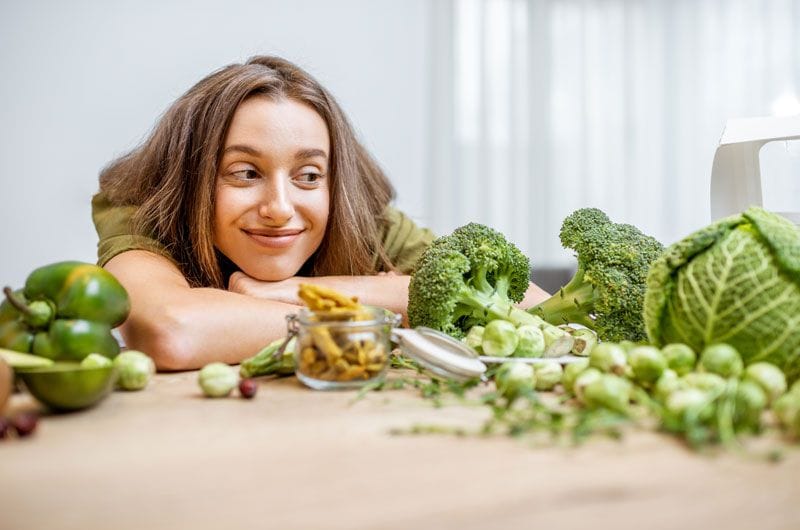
<point>468,278</point>
<point>607,292</point>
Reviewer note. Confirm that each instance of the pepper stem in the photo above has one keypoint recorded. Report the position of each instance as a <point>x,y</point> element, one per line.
<point>18,304</point>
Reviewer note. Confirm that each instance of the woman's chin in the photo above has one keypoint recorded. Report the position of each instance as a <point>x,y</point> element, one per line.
<point>272,273</point>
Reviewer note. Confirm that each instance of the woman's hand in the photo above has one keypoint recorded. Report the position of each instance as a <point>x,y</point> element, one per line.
<point>281,291</point>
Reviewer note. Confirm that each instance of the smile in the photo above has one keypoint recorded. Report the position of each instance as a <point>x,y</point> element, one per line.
<point>276,239</point>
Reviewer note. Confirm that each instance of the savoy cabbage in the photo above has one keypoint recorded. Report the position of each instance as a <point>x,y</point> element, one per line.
<point>735,281</point>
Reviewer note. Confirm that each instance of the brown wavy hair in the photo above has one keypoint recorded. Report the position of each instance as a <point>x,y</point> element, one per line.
<point>171,175</point>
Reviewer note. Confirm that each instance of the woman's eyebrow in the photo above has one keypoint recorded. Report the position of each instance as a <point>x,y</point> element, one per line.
<point>241,148</point>
<point>310,153</point>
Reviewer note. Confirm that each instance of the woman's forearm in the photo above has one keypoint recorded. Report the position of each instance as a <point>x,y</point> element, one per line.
<point>184,328</point>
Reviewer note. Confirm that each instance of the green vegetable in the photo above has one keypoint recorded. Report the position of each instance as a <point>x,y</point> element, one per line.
<point>17,359</point>
<point>80,291</point>
<point>500,338</point>
<point>470,277</point>
<point>690,399</point>
<point>736,281</point>
<point>787,409</point>
<point>135,369</point>
<point>571,373</point>
<point>72,340</point>
<point>609,357</point>
<point>474,338</point>
<point>680,357</point>
<point>514,380</point>
<point>95,360</point>
<point>217,380</point>
<point>607,292</point>
<point>557,341</point>
<point>547,375</point>
<point>65,312</point>
<point>750,402</point>
<point>769,377</point>
<point>531,341</point>
<point>647,364</point>
<point>585,341</point>
<point>707,382</point>
<point>721,359</point>
<point>668,383</point>
<point>608,391</point>
<point>265,362</point>
<point>16,335</point>
<point>586,377</point>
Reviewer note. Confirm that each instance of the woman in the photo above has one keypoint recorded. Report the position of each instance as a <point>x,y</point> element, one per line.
<point>252,180</point>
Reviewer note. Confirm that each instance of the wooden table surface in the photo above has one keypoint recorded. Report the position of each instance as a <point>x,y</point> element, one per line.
<point>295,458</point>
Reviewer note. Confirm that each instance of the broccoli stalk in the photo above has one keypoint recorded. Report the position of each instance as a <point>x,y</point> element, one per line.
<point>607,292</point>
<point>469,278</point>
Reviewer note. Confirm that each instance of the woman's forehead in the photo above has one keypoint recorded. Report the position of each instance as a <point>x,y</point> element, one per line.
<point>282,124</point>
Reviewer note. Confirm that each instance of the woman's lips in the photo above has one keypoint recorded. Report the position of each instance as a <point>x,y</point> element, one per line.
<point>274,240</point>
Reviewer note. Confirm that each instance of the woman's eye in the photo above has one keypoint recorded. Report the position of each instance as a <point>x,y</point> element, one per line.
<point>245,174</point>
<point>309,178</point>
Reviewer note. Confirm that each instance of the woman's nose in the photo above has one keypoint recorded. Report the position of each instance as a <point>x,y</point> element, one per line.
<point>276,204</point>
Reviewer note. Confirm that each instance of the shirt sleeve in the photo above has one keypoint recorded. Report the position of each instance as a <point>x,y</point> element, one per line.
<point>404,241</point>
<point>115,232</point>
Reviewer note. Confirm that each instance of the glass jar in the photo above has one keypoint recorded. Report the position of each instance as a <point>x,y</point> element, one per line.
<point>342,350</point>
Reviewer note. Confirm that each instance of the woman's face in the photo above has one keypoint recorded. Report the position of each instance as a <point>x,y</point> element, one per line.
<point>272,191</point>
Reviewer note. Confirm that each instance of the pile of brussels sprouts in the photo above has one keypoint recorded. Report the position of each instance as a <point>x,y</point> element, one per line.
<point>704,399</point>
<point>500,338</point>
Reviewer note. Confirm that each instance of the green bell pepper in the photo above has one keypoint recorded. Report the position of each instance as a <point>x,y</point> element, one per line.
<point>72,340</point>
<point>15,335</point>
<point>65,312</point>
<point>80,291</point>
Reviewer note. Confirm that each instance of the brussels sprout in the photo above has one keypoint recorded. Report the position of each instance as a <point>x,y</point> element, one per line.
<point>680,357</point>
<point>707,382</point>
<point>769,377</point>
<point>681,401</point>
<point>134,369</point>
<point>499,338</point>
<point>584,379</point>
<point>95,360</point>
<point>514,380</point>
<point>647,364</point>
<point>531,341</point>
<point>547,375</point>
<point>557,342</point>
<point>787,409</point>
<point>751,400</point>
<point>571,373</point>
<point>668,383</point>
<point>627,345</point>
<point>474,338</point>
<point>608,357</point>
<point>608,391</point>
<point>722,359</point>
<point>585,341</point>
<point>217,379</point>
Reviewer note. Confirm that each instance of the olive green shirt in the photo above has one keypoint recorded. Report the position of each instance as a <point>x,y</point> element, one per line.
<point>403,240</point>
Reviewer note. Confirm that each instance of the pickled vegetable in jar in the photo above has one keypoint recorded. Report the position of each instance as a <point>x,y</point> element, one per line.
<point>342,349</point>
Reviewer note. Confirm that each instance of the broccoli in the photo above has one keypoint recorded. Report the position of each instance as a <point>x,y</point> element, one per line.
<point>468,278</point>
<point>607,292</point>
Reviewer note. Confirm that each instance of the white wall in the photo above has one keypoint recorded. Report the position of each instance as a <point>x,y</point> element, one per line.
<point>84,81</point>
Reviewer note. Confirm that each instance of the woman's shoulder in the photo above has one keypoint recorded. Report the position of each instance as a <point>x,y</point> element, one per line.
<point>116,231</point>
<point>403,239</point>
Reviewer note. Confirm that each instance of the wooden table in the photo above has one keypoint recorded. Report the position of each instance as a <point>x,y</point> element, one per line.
<point>295,458</point>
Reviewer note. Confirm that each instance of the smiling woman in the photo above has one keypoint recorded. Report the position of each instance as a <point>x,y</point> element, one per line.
<point>252,181</point>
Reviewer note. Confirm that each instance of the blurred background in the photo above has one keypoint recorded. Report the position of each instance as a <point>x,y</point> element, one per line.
<point>508,112</point>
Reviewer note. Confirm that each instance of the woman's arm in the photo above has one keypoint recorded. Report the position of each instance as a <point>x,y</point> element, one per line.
<point>184,328</point>
<point>384,290</point>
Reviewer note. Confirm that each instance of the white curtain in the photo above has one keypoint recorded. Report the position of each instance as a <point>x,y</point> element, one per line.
<point>545,106</point>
